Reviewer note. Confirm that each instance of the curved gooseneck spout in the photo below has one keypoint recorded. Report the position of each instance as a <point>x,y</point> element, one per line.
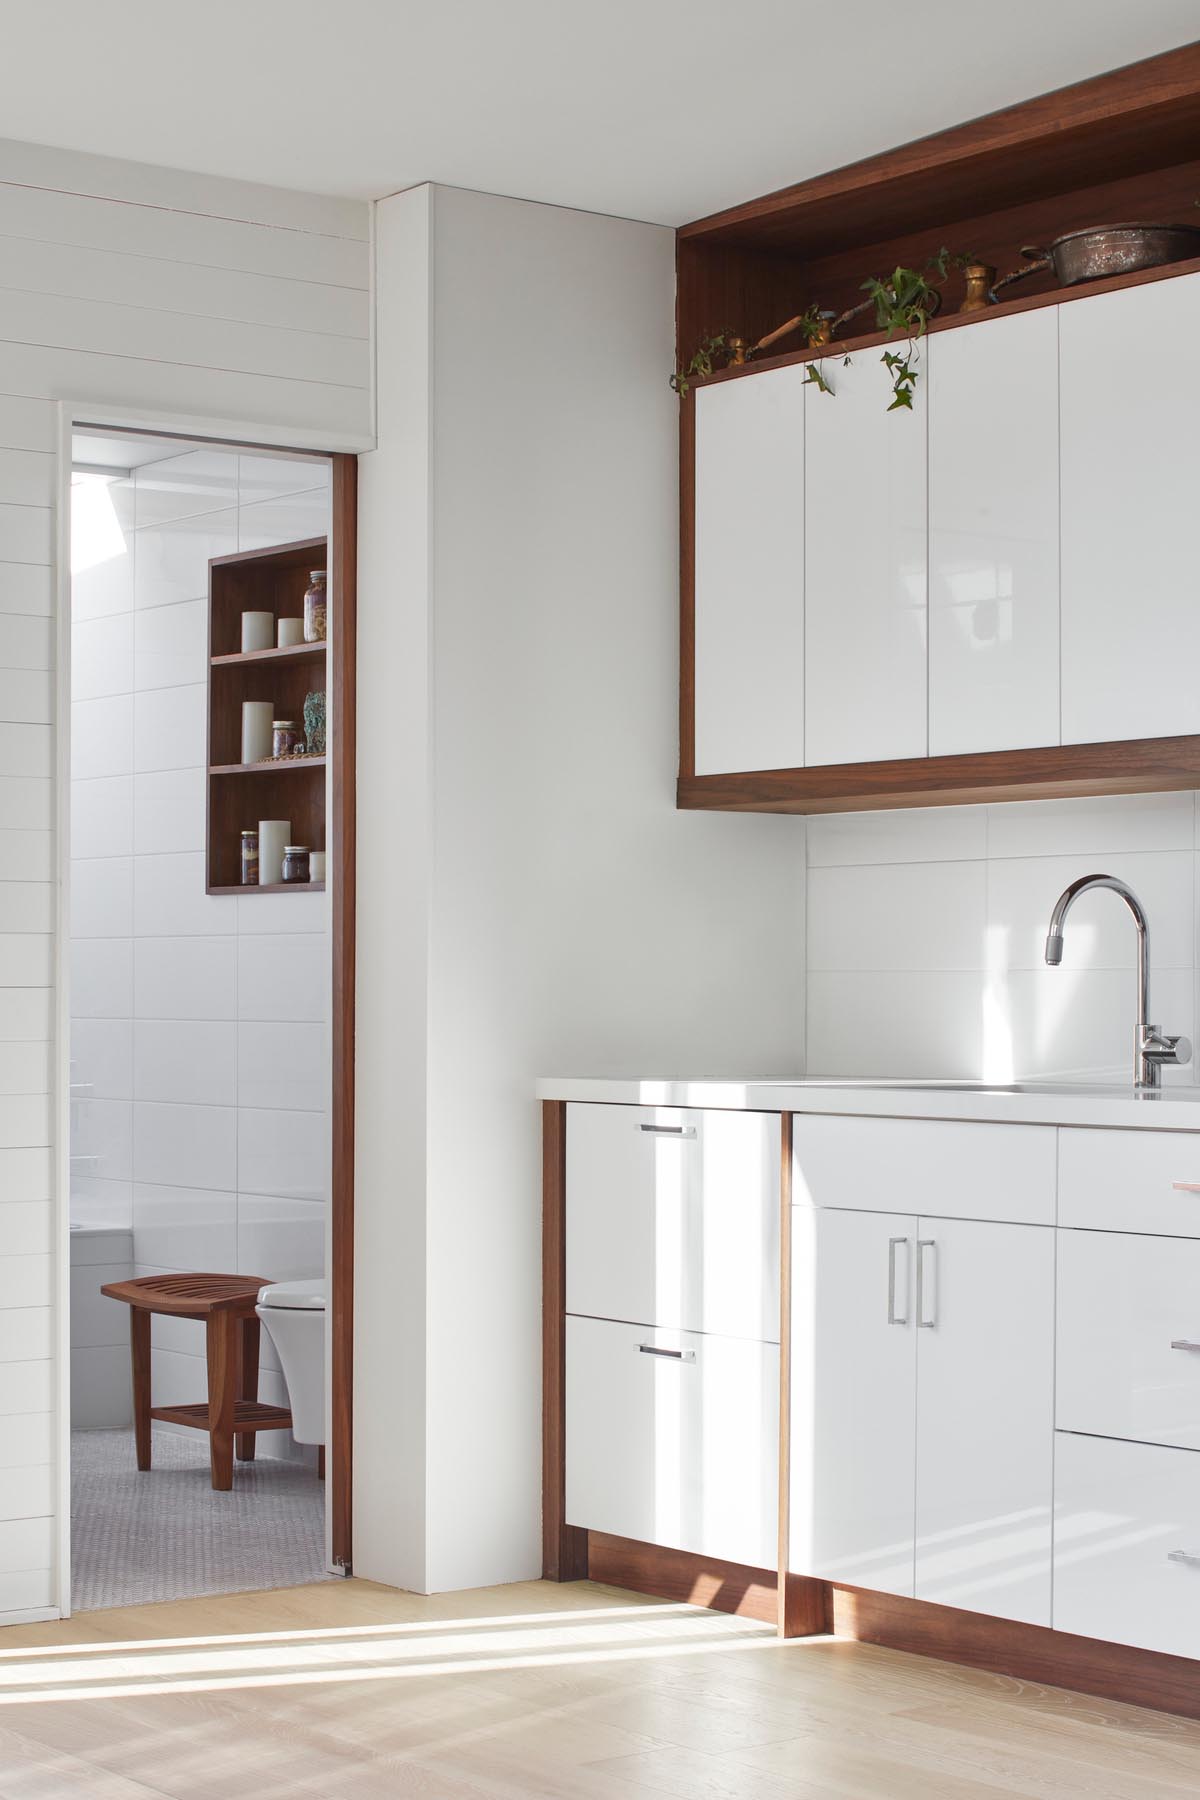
<point>1151,1048</point>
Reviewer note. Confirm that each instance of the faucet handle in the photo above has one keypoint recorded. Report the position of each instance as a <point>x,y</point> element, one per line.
<point>1160,1047</point>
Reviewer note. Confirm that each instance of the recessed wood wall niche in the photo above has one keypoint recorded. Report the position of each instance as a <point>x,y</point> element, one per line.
<point>240,794</point>
<point>991,597</point>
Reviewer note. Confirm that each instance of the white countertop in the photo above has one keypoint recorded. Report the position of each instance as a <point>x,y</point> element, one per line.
<point>1170,1108</point>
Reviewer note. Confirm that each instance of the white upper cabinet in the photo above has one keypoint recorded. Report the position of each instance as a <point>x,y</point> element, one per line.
<point>1130,374</point>
<point>749,573</point>
<point>865,568</point>
<point>993,544</point>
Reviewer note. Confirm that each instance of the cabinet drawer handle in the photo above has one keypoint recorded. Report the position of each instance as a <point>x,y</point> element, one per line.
<point>1186,1187</point>
<point>893,1317</point>
<point>674,1355</point>
<point>1183,1344</point>
<point>924,1324</point>
<point>1184,1556</point>
<point>669,1130</point>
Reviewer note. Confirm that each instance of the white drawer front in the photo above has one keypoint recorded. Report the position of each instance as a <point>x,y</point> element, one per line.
<point>933,1167</point>
<point>673,1218</point>
<point>1130,1181</point>
<point>1123,1302</point>
<point>678,1449</point>
<point>1127,1543</point>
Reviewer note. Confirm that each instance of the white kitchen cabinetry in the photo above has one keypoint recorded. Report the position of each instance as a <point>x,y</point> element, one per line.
<point>1130,580</point>
<point>985,1418</point>
<point>673,1218</point>
<point>853,1397</point>
<point>993,522</point>
<point>1129,1337</point>
<point>672,1439</point>
<point>749,573</point>
<point>865,570</point>
<point>1142,1181</point>
<point>1127,1543</point>
<point>966,1171</point>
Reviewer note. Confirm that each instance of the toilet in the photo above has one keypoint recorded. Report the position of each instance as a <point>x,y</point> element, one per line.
<point>294,1315</point>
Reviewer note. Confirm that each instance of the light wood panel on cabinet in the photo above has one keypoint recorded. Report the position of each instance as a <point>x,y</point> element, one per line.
<point>993,522</point>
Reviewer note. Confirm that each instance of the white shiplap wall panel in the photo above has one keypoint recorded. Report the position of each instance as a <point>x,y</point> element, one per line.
<point>132,294</point>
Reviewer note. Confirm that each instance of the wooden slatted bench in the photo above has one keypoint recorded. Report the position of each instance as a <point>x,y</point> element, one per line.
<point>226,1305</point>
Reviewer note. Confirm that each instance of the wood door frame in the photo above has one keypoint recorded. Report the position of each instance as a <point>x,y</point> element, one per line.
<point>343,538</point>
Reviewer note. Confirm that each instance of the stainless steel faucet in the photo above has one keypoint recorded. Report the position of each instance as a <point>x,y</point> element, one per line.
<point>1151,1047</point>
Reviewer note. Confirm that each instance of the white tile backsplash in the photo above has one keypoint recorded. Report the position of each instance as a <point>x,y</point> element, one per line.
<point>199,1046</point>
<point>894,906</point>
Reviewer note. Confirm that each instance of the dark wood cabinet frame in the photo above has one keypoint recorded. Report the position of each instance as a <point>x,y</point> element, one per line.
<point>1121,146</point>
<point>801,1605</point>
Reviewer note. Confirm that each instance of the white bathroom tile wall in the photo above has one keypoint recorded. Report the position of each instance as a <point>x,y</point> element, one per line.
<point>102,1138</point>
<point>170,645</point>
<point>282,978</point>
<point>282,1153</point>
<point>167,724</point>
<point>186,1060</point>
<point>179,487</point>
<point>273,477</point>
<point>102,1059</point>
<point>282,1238</point>
<point>104,589</point>
<point>185,978</point>
<point>185,1228</point>
<point>102,897</point>
<point>910,975</point>
<point>171,561</point>
<point>169,899</point>
<point>101,979</point>
<point>102,737</point>
<point>102,656</point>
<point>168,811</point>
<point>266,522</point>
<point>101,817</point>
<point>185,1146</point>
<point>283,1066</point>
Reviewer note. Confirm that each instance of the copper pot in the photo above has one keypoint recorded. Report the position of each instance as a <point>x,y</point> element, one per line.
<point>1107,250</point>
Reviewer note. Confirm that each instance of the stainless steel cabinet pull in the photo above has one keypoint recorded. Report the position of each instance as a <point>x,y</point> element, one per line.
<point>1183,1344</point>
<point>895,1318</point>
<point>924,1324</point>
<point>1186,1187</point>
<point>1184,1556</point>
<point>669,1130</point>
<point>674,1355</point>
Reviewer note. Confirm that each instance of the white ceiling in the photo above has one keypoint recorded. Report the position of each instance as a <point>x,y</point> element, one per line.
<point>660,109</point>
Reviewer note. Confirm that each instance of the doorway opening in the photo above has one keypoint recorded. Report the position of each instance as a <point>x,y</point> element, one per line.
<point>208,866</point>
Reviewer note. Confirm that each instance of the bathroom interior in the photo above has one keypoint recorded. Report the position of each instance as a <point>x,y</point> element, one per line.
<point>199,1005</point>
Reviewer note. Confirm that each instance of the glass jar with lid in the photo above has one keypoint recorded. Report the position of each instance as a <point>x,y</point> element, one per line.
<point>315,608</point>
<point>287,737</point>
<point>295,862</point>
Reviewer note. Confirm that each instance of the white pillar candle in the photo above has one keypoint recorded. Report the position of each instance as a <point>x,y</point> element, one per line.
<point>291,633</point>
<point>257,740</point>
<point>273,836</point>
<point>316,866</point>
<point>256,630</point>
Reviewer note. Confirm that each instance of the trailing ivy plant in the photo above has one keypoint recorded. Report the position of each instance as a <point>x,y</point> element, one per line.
<point>702,362</point>
<point>904,303</point>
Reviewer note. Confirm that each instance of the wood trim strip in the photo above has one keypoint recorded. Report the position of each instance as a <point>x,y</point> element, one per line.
<point>1136,766</point>
<point>687,585</point>
<point>564,1547</point>
<point>681,1576</point>
<point>344,565</point>
<point>1025,1652</point>
<point>1162,85</point>
<point>802,1602</point>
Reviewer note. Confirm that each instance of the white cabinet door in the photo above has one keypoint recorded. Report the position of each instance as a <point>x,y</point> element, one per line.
<point>865,550</point>
<point>673,1217</point>
<point>1143,1181</point>
<point>1130,387</point>
<point>993,549</point>
<point>967,1171</point>
<point>985,1417</point>
<point>853,1398</point>
<point>1127,1543</point>
<point>749,573</point>
<point>1129,1337</point>
<point>673,1438</point>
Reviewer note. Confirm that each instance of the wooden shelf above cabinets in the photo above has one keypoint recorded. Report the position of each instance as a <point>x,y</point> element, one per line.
<point>240,794</point>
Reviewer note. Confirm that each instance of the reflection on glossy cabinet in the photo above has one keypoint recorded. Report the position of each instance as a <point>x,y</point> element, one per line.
<point>1130,373</point>
<point>985,1418</point>
<point>993,519</point>
<point>853,1397</point>
<point>749,573</point>
<point>865,569</point>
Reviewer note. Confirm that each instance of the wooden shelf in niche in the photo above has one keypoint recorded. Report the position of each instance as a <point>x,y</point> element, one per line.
<point>240,794</point>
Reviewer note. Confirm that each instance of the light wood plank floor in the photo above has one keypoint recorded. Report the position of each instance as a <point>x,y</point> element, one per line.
<point>349,1691</point>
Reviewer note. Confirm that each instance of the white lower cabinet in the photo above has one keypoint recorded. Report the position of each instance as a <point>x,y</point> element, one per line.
<point>853,1398</point>
<point>672,1438</point>
<point>922,1408</point>
<point>1127,1543</point>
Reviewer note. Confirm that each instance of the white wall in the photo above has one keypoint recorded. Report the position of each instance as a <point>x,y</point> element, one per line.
<point>530,900</point>
<point>199,1044</point>
<point>926,932</point>
<point>126,292</point>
